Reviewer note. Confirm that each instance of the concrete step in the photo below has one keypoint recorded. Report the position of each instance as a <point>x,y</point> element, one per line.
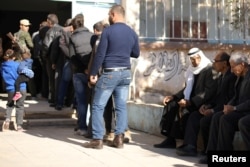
<point>51,122</point>
<point>45,122</point>
<point>39,113</point>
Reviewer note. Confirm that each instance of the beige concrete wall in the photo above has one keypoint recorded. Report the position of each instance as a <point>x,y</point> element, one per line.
<point>157,73</point>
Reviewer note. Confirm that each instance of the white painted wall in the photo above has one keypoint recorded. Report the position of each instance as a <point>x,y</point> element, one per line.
<point>93,11</point>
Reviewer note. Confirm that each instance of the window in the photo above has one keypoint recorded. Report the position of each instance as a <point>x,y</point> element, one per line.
<point>194,20</point>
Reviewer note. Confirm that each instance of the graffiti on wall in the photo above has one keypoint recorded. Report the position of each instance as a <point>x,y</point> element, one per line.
<point>167,62</point>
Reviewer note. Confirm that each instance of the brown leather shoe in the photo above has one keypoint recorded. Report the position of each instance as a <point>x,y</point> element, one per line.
<point>118,141</point>
<point>96,144</point>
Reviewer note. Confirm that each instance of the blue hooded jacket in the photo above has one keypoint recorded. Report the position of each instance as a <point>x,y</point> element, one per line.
<point>9,74</point>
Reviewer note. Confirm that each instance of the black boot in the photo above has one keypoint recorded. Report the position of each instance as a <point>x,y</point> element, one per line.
<point>203,160</point>
<point>167,143</point>
<point>186,150</point>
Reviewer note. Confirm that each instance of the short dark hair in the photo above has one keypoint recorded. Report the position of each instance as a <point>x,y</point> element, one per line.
<point>77,22</point>
<point>68,22</point>
<point>118,9</point>
<point>98,26</point>
<point>80,15</point>
<point>53,18</point>
<point>224,56</point>
<point>9,54</point>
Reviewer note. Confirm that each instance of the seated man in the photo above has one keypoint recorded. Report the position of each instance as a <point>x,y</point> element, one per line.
<point>244,127</point>
<point>201,85</point>
<point>225,123</point>
<point>223,95</point>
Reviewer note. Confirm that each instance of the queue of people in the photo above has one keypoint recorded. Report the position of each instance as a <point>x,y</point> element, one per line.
<point>83,69</point>
<point>72,66</point>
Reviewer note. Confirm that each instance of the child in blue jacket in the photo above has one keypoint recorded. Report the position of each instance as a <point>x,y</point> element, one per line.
<point>8,69</point>
<point>25,73</point>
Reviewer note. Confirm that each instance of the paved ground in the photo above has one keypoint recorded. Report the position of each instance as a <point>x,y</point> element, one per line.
<point>57,146</point>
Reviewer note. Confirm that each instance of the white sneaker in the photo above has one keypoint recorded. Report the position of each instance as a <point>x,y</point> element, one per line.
<point>6,126</point>
<point>20,128</point>
<point>81,132</point>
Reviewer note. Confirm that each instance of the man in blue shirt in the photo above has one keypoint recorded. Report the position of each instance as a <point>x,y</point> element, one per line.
<point>117,44</point>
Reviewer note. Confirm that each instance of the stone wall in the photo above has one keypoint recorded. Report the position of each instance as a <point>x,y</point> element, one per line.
<point>159,73</point>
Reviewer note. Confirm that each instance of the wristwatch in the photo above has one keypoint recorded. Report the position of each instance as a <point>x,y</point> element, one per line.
<point>235,108</point>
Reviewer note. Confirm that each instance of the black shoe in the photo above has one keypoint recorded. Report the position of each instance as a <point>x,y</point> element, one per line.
<point>167,143</point>
<point>203,153</point>
<point>58,108</point>
<point>67,105</point>
<point>51,101</point>
<point>186,150</point>
<point>203,160</point>
<point>52,105</point>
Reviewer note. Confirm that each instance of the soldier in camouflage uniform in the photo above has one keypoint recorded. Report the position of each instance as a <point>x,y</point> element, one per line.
<point>23,38</point>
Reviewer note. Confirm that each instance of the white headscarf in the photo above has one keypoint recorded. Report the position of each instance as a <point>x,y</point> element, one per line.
<point>191,71</point>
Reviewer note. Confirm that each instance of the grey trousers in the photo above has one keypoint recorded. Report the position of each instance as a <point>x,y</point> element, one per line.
<point>19,107</point>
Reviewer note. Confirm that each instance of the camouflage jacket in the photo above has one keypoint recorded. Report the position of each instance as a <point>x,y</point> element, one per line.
<point>24,39</point>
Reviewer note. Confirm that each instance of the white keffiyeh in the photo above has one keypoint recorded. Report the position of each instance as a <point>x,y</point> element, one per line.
<point>191,71</point>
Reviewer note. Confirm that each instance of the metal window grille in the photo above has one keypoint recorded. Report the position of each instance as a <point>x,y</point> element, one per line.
<point>212,21</point>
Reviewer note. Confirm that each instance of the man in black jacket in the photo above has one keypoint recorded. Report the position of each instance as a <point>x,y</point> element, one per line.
<point>225,123</point>
<point>79,52</point>
<point>50,51</point>
<point>203,116</point>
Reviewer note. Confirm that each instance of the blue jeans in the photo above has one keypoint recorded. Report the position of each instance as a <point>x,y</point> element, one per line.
<point>80,82</point>
<point>64,83</point>
<point>116,83</point>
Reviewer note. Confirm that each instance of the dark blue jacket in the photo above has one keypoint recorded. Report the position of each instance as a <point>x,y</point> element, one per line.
<point>118,43</point>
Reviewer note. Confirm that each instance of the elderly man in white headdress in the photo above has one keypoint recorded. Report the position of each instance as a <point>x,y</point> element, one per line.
<point>201,85</point>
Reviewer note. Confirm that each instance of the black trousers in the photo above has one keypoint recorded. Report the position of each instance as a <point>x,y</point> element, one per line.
<point>205,123</point>
<point>174,119</point>
<point>51,77</point>
<point>244,127</point>
<point>109,116</point>
<point>20,79</point>
<point>192,128</point>
<point>213,132</point>
<point>227,128</point>
<point>222,131</point>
